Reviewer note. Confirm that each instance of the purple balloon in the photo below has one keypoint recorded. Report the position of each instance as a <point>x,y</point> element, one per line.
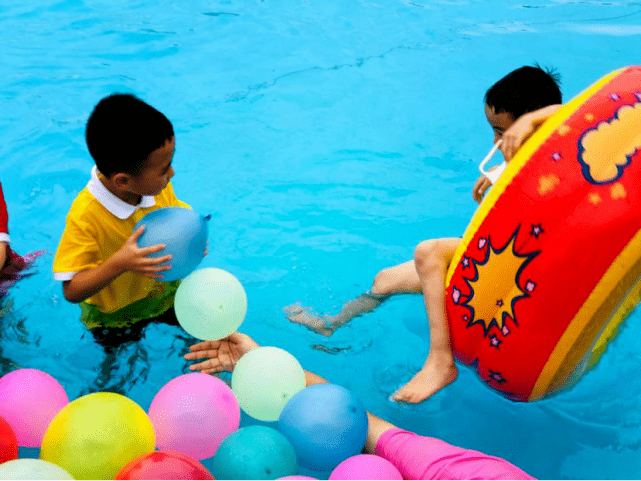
<point>365,466</point>
<point>29,400</point>
<point>193,413</point>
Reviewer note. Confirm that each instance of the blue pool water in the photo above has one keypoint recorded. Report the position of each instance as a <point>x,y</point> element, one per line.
<point>326,138</point>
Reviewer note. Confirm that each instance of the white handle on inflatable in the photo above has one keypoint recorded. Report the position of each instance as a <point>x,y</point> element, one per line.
<point>496,173</point>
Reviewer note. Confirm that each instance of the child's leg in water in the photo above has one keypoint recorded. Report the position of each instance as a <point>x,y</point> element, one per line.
<point>400,279</point>
<point>113,341</point>
<point>432,260</point>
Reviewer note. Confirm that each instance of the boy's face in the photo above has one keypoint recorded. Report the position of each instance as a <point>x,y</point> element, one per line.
<point>156,171</point>
<point>499,122</point>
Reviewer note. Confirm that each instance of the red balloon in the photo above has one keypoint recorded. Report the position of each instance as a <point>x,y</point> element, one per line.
<point>164,465</point>
<point>8,442</point>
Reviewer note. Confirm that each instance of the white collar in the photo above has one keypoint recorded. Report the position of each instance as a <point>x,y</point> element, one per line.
<point>113,204</point>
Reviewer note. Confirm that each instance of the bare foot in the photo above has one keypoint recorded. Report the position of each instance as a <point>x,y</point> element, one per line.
<point>438,372</point>
<point>299,315</point>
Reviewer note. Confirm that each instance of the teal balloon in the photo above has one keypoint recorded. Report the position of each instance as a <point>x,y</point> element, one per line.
<point>264,380</point>
<point>255,452</point>
<point>210,304</point>
<point>184,233</point>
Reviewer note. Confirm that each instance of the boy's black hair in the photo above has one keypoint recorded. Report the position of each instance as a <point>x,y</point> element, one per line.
<point>524,90</point>
<point>122,131</point>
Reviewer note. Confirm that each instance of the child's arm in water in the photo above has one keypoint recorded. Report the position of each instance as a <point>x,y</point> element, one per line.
<point>129,258</point>
<point>416,457</point>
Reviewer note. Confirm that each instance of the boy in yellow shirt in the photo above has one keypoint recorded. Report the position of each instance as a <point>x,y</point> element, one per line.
<point>98,259</point>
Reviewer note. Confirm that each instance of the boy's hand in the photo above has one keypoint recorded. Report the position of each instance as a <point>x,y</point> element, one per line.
<point>131,258</point>
<point>481,185</point>
<point>222,354</point>
<point>523,128</point>
<point>516,134</point>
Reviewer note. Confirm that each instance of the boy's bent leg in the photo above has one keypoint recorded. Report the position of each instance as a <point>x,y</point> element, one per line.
<point>432,259</point>
<point>399,279</point>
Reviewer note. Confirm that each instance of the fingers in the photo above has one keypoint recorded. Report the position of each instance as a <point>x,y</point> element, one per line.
<point>154,261</point>
<point>152,249</point>
<point>137,233</point>
<point>480,187</point>
<point>480,192</point>
<point>206,367</point>
<point>509,147</point>
<point>204,345</point>
<point>204,354</point>
<point>209,355</point>
<point>486,185</point>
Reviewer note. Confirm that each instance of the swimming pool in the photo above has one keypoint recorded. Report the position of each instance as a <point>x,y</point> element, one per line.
<point>326,139</point>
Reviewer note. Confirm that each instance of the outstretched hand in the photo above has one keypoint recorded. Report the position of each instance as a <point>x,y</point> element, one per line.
<point>221,355</point>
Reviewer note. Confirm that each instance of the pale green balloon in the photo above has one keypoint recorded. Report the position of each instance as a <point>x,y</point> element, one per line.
<point>264,380</point>
<point>32,469</point>
<point>210,304</point>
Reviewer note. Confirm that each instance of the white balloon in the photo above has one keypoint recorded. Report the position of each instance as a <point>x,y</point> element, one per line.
<point>32,470</point>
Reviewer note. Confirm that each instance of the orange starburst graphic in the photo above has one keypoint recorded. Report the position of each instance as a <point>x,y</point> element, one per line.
<point>497,287</point>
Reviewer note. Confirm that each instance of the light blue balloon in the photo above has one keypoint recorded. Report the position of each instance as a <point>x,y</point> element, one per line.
<point>326,424</point>
<point>184,233</point>
<point>254,452</point>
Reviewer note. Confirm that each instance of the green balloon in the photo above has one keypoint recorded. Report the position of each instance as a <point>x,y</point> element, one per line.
<point>32,469</point>
<point>210,304</point>
<point>264,380</point>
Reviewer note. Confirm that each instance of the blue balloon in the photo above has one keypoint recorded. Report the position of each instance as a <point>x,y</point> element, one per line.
<point>184,233</point>
<point>326,424</point>
<point>254,452</point>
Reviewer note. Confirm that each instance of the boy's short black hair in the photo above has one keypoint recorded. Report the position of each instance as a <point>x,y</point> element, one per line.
<point>122,131</point>
<point>524,90</point>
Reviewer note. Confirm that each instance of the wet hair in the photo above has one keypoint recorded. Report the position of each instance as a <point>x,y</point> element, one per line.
<point>122,131</point>
<point>524,90</point>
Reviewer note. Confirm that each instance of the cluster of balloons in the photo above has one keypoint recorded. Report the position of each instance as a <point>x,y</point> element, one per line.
<point>193,417</point>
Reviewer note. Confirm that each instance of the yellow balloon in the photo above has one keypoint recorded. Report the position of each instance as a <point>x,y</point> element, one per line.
<point>96,435</point>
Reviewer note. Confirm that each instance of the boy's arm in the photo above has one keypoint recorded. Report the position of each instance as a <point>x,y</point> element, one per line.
<point>129,258</point>
<point>523,127</point>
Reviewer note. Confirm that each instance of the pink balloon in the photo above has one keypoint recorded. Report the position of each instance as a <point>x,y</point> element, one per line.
<point>297,478</point>
<point>29,400</point>
<point>365,466</point>
<point>193,413</point>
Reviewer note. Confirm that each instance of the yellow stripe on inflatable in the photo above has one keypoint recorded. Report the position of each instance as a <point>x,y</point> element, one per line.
<point>629,303</point>
<point>601,308</point>
<point>518,161</point>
